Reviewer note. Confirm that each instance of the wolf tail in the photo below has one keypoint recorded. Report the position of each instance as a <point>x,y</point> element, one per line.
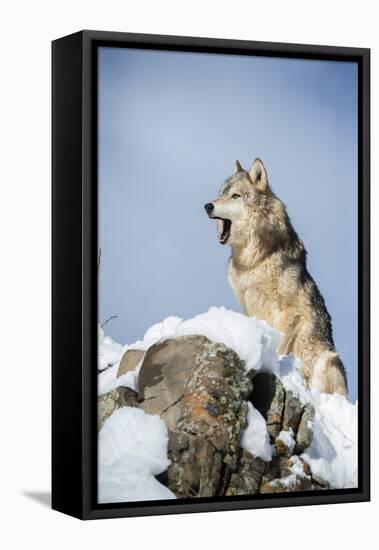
<point>328,374</point>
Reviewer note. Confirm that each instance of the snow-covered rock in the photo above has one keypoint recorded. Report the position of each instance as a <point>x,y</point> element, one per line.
<point>294,438</point>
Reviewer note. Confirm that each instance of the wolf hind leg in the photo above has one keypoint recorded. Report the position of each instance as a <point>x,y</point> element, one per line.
<point>328,374</point>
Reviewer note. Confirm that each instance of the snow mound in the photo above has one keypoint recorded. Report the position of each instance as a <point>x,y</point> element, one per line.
<point>132,450</point>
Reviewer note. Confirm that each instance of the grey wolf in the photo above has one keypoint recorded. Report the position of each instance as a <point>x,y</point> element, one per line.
<point>268,274</point>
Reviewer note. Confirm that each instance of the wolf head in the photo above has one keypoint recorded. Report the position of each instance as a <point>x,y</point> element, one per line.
<point>243,196</point>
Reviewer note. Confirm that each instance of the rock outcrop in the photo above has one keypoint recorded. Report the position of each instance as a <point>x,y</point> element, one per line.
<point>201,390</point>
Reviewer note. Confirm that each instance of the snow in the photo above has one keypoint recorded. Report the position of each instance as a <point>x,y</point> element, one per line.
<point>110,355</point>
<point>286,436</point>
<point>297,467</point>
<point>132,450</point>
<point>292,378</point>
<point>159,331</point>
<point>108,379</point>
<point>255,342</point>
<point>110,352</point>
<point>333,453</point>
<point>255,437</point>
<point>297,470</point>
<point>129,473</point>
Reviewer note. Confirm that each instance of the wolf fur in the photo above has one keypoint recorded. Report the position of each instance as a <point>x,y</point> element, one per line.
<point>268,273</point>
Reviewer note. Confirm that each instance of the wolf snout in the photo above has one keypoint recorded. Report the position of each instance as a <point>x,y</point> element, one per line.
<point>209,207</point>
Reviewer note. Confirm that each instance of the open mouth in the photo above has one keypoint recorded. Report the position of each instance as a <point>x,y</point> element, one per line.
<point>223,230</point>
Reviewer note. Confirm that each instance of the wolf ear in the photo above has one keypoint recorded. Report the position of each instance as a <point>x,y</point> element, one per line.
<point>258,175</point>
<point>237,167</point>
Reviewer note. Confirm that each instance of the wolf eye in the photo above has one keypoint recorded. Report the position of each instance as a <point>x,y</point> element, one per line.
<point>235,196</point>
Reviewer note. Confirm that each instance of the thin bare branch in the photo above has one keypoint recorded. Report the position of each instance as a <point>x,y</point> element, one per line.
<point>109,319</point>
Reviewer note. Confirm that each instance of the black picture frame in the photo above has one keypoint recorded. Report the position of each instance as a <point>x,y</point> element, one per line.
<point>74,273</point>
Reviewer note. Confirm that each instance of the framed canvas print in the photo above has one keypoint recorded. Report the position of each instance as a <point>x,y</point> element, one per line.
<point>210,275</point>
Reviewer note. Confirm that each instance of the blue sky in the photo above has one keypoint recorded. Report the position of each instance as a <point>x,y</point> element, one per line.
<point>171,126</point>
